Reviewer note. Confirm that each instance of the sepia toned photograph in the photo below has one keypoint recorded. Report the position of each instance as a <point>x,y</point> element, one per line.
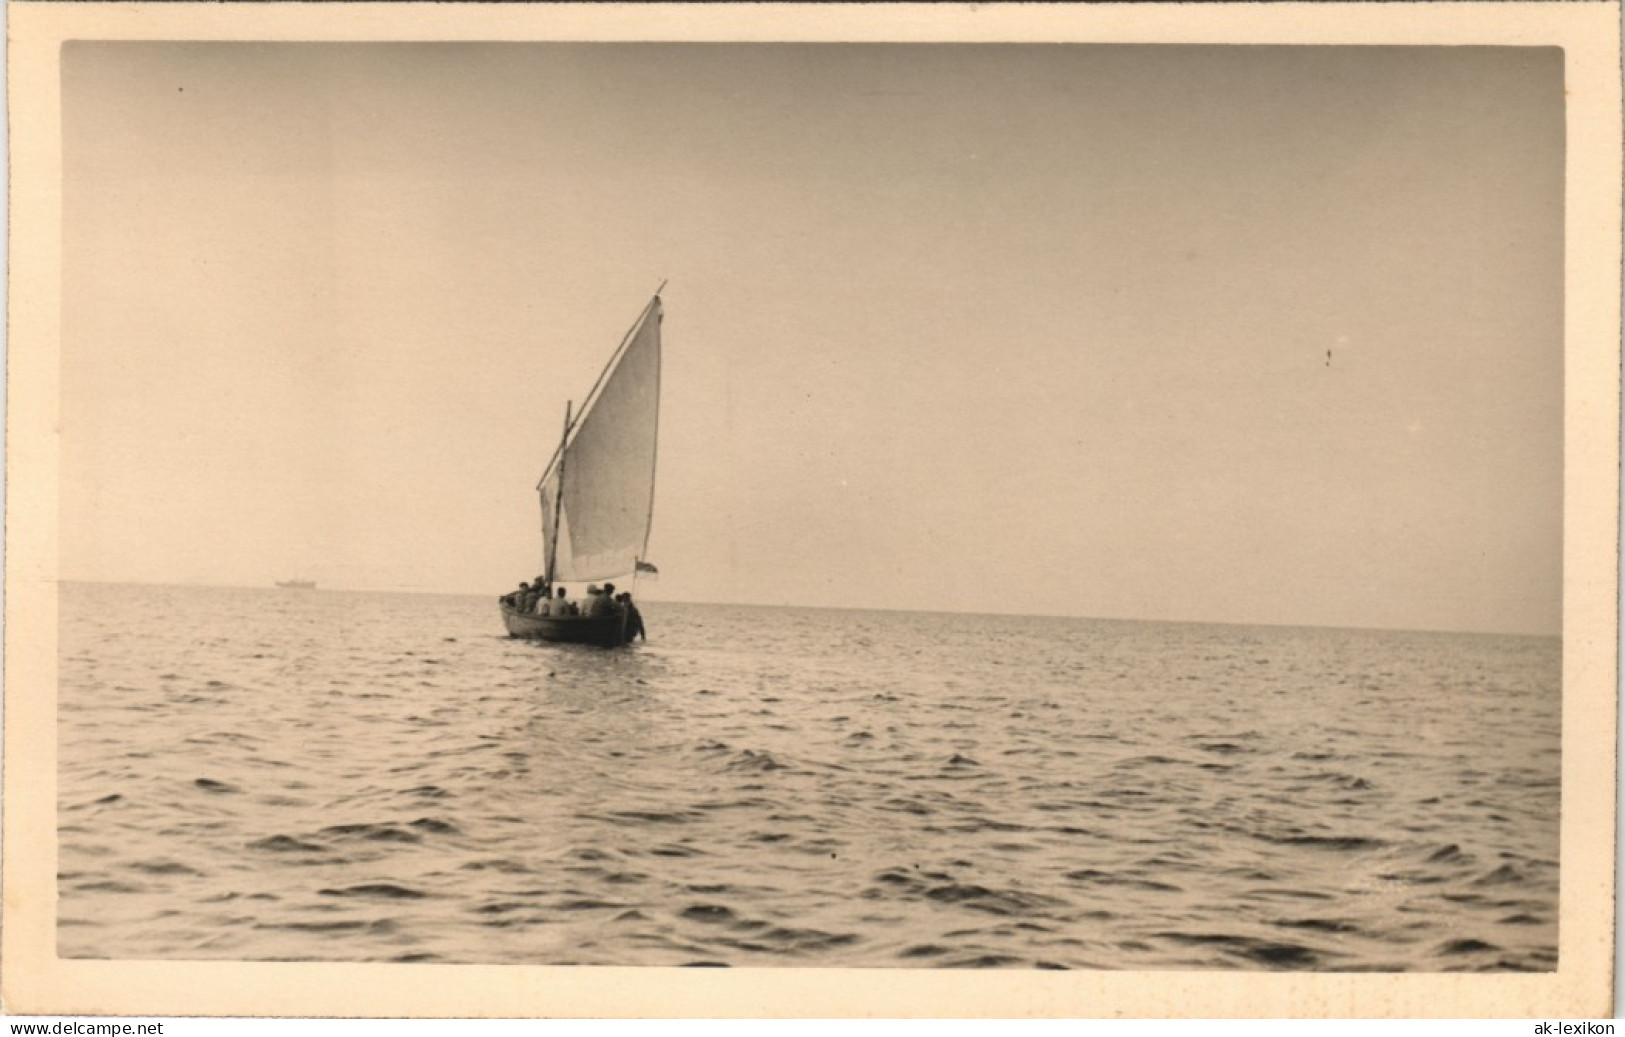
<point>990,507</point>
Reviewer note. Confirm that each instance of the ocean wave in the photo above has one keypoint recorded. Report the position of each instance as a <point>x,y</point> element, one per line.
<point>958,794</point>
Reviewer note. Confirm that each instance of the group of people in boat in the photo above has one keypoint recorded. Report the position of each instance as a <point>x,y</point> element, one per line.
<point>537,599</point>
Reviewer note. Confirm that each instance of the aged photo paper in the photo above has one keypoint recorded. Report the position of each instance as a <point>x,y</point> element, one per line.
<point>36,979</point>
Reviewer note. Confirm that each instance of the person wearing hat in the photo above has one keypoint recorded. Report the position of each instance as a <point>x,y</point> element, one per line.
<point>597,601</point>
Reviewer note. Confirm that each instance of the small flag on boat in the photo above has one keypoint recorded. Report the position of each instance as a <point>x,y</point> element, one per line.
<point>646,568</point>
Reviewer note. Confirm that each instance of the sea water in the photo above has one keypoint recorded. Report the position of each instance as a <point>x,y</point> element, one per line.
<point>312,775</point>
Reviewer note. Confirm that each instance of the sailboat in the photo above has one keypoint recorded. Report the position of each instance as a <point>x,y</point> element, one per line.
<point>597,493</point>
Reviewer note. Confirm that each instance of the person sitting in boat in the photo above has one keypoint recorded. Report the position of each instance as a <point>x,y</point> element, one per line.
<point>597,604</point>
<point>516,599</point>
<point>558,607</point>
<point>634,622</point>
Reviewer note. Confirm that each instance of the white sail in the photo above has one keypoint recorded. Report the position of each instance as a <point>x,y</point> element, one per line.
<point>607,465</point>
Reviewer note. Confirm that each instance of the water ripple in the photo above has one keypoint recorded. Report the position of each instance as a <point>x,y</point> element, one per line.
<point>385,778</point>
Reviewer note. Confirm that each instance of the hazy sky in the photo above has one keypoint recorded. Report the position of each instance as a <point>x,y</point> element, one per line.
<point>972,327</point>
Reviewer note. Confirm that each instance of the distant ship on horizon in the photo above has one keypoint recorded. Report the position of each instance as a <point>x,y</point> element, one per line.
<point>297,585</point>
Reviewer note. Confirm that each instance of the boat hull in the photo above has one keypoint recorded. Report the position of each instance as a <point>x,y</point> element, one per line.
<point>608,631</point>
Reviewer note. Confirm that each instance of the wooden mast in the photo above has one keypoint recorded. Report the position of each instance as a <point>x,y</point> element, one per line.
<point>558,505</point>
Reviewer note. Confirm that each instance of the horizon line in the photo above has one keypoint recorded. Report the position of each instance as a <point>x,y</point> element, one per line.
<point>273,586</point>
